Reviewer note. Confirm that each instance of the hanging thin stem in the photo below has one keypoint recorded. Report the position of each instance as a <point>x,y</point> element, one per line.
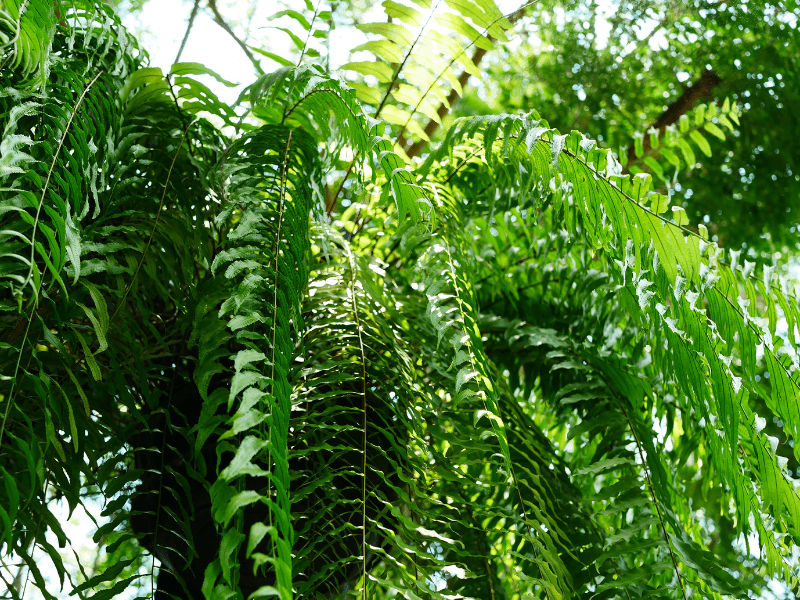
<point>155,222</point>
<point>650,487</point>
<point>14,378</point>
<point>275,318</point>
<point>167,424</point>
<point>354,298</point>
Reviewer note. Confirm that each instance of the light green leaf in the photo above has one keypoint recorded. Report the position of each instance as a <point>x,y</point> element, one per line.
<point>405,13</point>
<point>701,142</point>
<point>381,71</point>
<point>385,49</point>
<point>458,25</point>
<point>679,215</point>
<point>393,32</point>
<point>714,130</point>
<point>297,16</point>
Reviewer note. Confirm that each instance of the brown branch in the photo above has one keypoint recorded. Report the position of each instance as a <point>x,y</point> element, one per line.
<point>212,4</point>
<point>682,105</point>
<point>444,107</point>
<point>188,29</point>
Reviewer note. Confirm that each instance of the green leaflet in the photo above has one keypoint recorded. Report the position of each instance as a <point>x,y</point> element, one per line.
<point>672,143</point>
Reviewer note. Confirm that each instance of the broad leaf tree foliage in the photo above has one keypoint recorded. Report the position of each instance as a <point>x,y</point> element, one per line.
<point>269,354</point>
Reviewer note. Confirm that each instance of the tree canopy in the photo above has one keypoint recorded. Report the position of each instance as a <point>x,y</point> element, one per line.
<point>347,337</point>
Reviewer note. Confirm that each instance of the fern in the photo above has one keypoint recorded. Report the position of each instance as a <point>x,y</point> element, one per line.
<point>489,373</point>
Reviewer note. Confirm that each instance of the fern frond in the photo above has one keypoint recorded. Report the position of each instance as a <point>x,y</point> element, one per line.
<point>495,373</point>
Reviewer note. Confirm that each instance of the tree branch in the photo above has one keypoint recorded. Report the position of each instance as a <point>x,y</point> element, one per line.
<point>188,29</point>
<point>212,4</point>
<point>683,104</point>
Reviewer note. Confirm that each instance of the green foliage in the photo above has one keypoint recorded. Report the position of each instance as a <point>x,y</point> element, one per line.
<point>611,69</point>
<point>675,148</point>
<point>506,370</point>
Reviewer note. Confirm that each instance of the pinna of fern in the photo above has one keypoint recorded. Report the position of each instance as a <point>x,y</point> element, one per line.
<point>495,374</point>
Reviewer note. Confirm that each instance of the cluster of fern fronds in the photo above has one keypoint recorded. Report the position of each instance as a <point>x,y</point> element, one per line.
<point>504,370</point>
